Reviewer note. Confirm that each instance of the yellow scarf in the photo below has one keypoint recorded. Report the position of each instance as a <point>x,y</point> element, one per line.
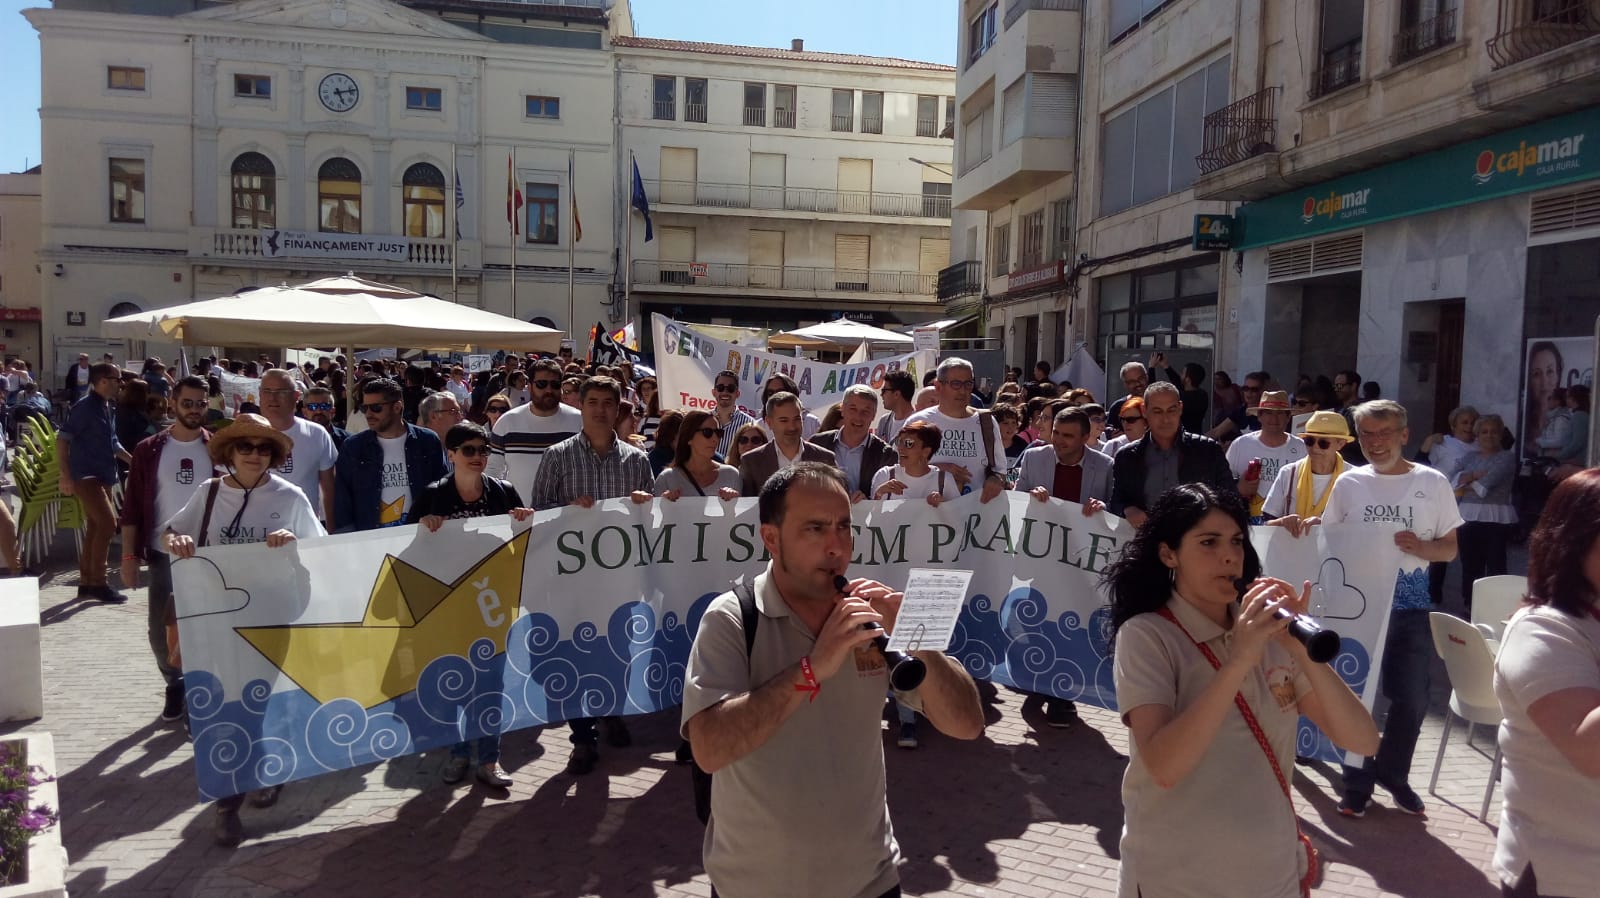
<point>1304,504</point>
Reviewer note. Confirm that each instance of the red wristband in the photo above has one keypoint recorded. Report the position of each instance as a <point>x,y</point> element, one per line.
<point>810,685</point>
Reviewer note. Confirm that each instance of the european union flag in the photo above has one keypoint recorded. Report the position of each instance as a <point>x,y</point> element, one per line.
<point>642,202</point>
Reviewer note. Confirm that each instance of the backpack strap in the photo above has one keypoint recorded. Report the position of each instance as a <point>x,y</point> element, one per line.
<point>749,616</point>
<point>205,519</point>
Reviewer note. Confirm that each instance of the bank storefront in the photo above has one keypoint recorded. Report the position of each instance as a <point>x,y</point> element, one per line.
<point>1437,275</point>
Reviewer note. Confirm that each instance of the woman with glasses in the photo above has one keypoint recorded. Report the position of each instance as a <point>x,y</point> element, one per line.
<point>1300,492</point>
<point>498,404</point>
<point>913,477</point>
<point>249,505</point>
<point>469,493</point>
<point>694,470</point>
<point>747,438</point>
<point>1134,426</point>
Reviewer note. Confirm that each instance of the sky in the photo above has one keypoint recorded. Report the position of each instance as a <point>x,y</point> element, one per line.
<point>912,29</point>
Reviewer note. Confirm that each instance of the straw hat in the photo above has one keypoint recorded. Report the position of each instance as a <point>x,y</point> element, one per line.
<point>1326,424</point>
<point>248,426</point>
<point>1271,401</point>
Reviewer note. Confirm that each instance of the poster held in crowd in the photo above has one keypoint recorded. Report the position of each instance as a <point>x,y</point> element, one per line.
<point>356,648</point>
<point>1548,363</point>
<point>687,362</point>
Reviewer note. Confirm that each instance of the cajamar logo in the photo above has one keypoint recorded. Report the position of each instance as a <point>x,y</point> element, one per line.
<point>1335,205</point>
<point>1544,158</point>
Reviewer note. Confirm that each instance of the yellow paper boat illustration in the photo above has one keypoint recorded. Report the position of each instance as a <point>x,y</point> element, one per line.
<point>411,619</point>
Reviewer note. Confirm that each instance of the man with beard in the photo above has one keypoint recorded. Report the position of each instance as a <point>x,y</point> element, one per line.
<point>518,442</point>
<point>384,468</point>
<point>318,407</point>
<point>167,468</point>
<point>785,418</point>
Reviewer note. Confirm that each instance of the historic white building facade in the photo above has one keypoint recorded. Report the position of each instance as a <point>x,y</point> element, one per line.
<point>786,186</point>
<point>259,142</point>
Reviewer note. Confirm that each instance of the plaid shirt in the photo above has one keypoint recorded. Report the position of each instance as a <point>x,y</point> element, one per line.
<point>571,468</point>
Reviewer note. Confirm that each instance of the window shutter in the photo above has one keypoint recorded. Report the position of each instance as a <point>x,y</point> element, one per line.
<point>1011,112</point>
<point>678,165</point>
<point>1053,104</point>
<point>855,186</point>
<point>933,255</point>
<point>850,252</point>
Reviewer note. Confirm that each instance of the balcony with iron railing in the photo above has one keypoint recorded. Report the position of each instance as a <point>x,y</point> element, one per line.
<point>1530,28</point>
<point>814,200</point>
<point>871,124</point>
<point>1425,37</point>
<point>843,123</point>
<point>1341,67</point>
<point>650,273</point>
<point>960,280</point>
<point>664,110</point>
<point>927,127</point>
<point>240,243</point>
<point>782,118</point>
<point>1016,8</point>
<point>755,116</point>
<point>1240,130</point>
<point>694,112</point>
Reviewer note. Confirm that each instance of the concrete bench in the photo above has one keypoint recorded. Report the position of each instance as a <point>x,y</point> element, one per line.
<point>21,666</point>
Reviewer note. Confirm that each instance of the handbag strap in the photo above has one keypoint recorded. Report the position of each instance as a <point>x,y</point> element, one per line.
<point>1244,708</point>
<point>205,519</point>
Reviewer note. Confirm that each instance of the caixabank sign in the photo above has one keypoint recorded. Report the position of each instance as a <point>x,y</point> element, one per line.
<point>1546,154</point>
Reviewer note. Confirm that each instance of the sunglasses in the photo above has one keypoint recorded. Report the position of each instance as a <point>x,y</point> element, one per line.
<point>192,403</point>
<point>252,448</point>
<point>498,409</point>
<point>310,406</point>
<point>1132,419</point>
<point>473,450</point>
<point>909,443</point>
<point>1321,442</point>
<point>752,441</point>
<point>545,384</point>
<point>373,408</point>
<point>726,388</point>
<point>709,432</point>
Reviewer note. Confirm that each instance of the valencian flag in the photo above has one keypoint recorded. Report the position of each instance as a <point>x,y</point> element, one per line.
<point>642,202</point>
<point>606,351</point>
<point>513,197</point>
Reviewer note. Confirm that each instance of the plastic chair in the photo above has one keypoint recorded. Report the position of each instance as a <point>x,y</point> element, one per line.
<point>1494,599</point>
<point>1470,665</point>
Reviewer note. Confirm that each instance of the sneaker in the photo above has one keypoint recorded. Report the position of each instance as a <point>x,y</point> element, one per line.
<point>908,736</point>
<point>583,759</point>
<point>1406,799</point>
<point>455,770</point>
<point>174,707</point>
<point>266,798</point>
<point>1353,805</point>
<point>1060,714</point>
<point>492,774</point>
<point>616,732</point>
<point>105,594</point>
<point>226,829</point>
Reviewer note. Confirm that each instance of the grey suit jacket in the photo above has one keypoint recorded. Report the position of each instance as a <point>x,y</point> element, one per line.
<point>1039,469</point>
<point>875,456</point>
<point>756,466</point>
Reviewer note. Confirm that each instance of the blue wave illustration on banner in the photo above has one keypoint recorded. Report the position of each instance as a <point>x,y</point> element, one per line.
<point>1353,665</point>
<point>636,665</point>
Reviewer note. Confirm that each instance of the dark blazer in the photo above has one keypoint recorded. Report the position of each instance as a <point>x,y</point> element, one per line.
<point>756,466</point>
<point>358,476</point>
<point>876,456</point>
<point>1200,460</point>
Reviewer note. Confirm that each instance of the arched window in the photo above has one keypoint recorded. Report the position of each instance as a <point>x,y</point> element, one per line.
<point>255,192</point>
<point>422,199</point>
<point>339,197</point>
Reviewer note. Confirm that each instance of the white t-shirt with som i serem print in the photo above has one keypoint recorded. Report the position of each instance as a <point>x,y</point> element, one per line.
<point>962,443</point>
<point>276,504</point>
<point>1419,500</point>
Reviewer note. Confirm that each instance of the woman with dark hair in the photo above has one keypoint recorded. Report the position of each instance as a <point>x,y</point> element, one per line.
<point>133,419</point>
<point>1211,688</point>
<point>746,439</point>
<point>913,477</point>
<point>650,402</point>
<point>467,492</point>
<point>694,469</point>
<point>1547,678</point>
<point>666,445</point>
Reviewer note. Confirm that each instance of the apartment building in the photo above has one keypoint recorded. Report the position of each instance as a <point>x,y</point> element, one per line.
<point>20,270</point>
<point>1017,149</point>
<point>1420,198</point>
<point>190,144</point>
<point>787,186</point>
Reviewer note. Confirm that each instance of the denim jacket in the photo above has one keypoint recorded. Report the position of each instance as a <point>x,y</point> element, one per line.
<point>91,437</point>
<point>358,476</point>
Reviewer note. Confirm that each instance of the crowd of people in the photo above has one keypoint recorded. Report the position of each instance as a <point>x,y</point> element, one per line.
<point>1203,668</point>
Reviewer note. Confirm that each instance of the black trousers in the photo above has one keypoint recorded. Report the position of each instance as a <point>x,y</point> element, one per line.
<point>1483,553</point>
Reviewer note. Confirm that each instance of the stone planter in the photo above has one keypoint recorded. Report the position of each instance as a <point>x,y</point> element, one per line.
<point>47,859</point>
<point>21,671</point>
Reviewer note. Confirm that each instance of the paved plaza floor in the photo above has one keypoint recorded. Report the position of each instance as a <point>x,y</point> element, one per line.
<point>1024,811</point>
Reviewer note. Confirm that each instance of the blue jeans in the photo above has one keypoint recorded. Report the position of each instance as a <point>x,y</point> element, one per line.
<point>907,715</point>
<point>1407,653</point>
<point>160,594</point>
<point>488,749</point>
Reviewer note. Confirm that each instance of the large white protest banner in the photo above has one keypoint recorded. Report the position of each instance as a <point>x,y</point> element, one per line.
<point>354,648</point>
<point>687,362</point>
<point>238,389</point>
